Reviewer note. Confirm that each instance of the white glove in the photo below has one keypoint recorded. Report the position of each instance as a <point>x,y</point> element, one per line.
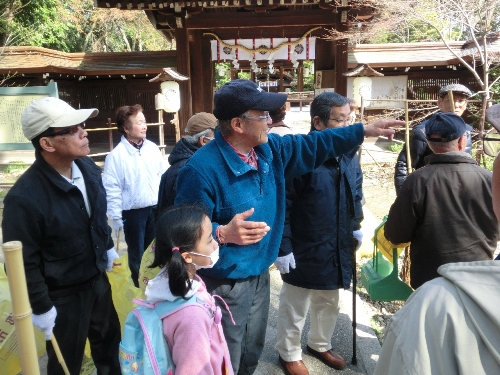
<point>284,263</point>
<point>358,236</point>
<point>45,322</point>
<point>112,255</point>
<point>117,225</point>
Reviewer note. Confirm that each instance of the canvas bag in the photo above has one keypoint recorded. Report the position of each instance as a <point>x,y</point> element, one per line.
<point>143,349</point>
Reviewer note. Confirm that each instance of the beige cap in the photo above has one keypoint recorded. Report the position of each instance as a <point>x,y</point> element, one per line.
<point>200,122</point>
<point>51,112</point>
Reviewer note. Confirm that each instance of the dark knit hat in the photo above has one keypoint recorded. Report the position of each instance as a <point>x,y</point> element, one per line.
<point>238,96</point>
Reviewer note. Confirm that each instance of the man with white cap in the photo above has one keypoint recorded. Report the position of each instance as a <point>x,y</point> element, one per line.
<point>445,209</point>
<point>419,149</point>
<point>199,131</point>
<point>239,176</point>
<point>57,209</point>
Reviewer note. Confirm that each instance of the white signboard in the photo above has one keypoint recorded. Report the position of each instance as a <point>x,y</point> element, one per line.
<point>371,88</point>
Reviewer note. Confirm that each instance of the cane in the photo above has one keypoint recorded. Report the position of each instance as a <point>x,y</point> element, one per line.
<point>118,239</point>
<point>59,355</point>
<point>354,361</point>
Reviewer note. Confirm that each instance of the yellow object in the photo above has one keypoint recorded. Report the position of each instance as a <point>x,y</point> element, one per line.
<point>10,363</point>
<point>146,273</point>
<point>385,246</point>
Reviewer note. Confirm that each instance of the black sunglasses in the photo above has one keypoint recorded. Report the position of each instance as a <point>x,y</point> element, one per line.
<point>71,130</point>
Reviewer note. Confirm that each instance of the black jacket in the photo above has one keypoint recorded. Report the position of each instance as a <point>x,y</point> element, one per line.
<point>445,210</point>
<point>62,246</point>
<point>419,150</point>
<point>323,209</point>
<point>179,156</point>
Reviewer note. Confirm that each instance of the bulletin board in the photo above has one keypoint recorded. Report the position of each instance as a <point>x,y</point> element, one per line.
<point>13,100</point>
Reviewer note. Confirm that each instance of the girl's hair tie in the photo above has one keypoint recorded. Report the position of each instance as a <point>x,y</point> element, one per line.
<point>175,249</point>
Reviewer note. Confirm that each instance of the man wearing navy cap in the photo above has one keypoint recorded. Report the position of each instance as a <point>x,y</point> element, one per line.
<point>418,144</point>
<point>445,209</point>
<point>241,175</point>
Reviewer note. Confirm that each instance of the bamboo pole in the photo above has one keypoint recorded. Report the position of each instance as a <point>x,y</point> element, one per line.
<point>59,356</point>
<point>21,308</point>
<point>407,140</point>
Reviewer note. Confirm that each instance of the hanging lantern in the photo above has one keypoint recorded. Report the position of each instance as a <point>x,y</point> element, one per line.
<point>170,90</point>
<point>362,89</point>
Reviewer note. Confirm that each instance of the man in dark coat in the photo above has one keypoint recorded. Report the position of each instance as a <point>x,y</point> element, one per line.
<point>200,130</point>
<point>419,149</point>
<point>323,215</point>
<point>57,209</point>
<point>444,209</point>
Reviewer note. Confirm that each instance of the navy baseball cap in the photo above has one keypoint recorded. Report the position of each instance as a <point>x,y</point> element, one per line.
<point>444,127</point>
<point>238,96</point>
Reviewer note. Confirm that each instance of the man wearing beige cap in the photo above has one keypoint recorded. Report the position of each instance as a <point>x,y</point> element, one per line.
<point>200,131</point>
<point>57,209</point>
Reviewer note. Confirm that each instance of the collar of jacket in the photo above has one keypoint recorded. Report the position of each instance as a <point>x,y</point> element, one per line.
<point>450,158</point>
<point>131,149</point>
<point>234,162</point>
<point>90,172</point>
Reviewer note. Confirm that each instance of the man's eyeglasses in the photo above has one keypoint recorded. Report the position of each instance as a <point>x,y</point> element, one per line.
<point>71,130</point>
<point>264,117</point>
<point>346,121</point>
<point>461,101</point>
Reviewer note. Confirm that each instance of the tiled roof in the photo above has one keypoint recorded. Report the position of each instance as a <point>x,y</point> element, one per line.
<point>44,60</point>
<point>402,54</point>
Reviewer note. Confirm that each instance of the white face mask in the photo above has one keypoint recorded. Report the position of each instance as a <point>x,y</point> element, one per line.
<point>214,257</point>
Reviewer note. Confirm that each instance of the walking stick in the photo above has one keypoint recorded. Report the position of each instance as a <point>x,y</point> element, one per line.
<point>21,308</point>
<point>354,361</point>
<point>118,240</point>
<point>59,354</point>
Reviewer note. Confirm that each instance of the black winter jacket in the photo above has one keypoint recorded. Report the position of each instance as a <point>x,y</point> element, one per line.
<point>419,150</point>
<point>323,209</point>
<point>62,246</point>
<point>445,210</point>
<point>179,156</point>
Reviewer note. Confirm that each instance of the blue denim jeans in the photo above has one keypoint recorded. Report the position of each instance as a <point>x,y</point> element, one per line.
<point>248,300</point>
<point>139,229</point>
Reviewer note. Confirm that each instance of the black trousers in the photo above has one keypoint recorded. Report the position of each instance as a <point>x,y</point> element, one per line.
<point>83,312</point>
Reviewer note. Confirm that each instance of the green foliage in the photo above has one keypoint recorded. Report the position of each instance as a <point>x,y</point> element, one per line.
<point>222,79</point>
<point>396,147</point>
<point>77,26</point>
<point>309,81</point>
<point>14,166</point>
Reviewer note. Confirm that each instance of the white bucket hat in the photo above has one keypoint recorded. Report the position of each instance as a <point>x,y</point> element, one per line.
<point>51,112</point>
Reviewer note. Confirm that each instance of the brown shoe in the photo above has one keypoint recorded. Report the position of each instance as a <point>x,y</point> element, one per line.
<point>330,358</point>
<point>294,368</point>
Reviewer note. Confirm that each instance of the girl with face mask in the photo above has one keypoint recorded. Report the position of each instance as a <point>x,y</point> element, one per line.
<point>184,244</point>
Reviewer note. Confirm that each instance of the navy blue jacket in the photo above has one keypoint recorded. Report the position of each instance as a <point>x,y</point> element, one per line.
<point>62,245</point>
<point>323,209</point>
<point>179,156</point>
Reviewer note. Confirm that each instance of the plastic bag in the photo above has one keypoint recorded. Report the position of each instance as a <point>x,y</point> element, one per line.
<point>10,363</point>
<point>146,273</point>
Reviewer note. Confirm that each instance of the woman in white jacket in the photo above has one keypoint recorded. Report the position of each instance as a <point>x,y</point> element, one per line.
<point>132,173</point>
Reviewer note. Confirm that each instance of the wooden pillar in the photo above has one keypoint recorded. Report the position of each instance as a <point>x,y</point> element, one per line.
<point>183,67</point>
<point>300,77</point>
<point>281,86</point>
<point>340,48</point>
<point>201,77</point>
